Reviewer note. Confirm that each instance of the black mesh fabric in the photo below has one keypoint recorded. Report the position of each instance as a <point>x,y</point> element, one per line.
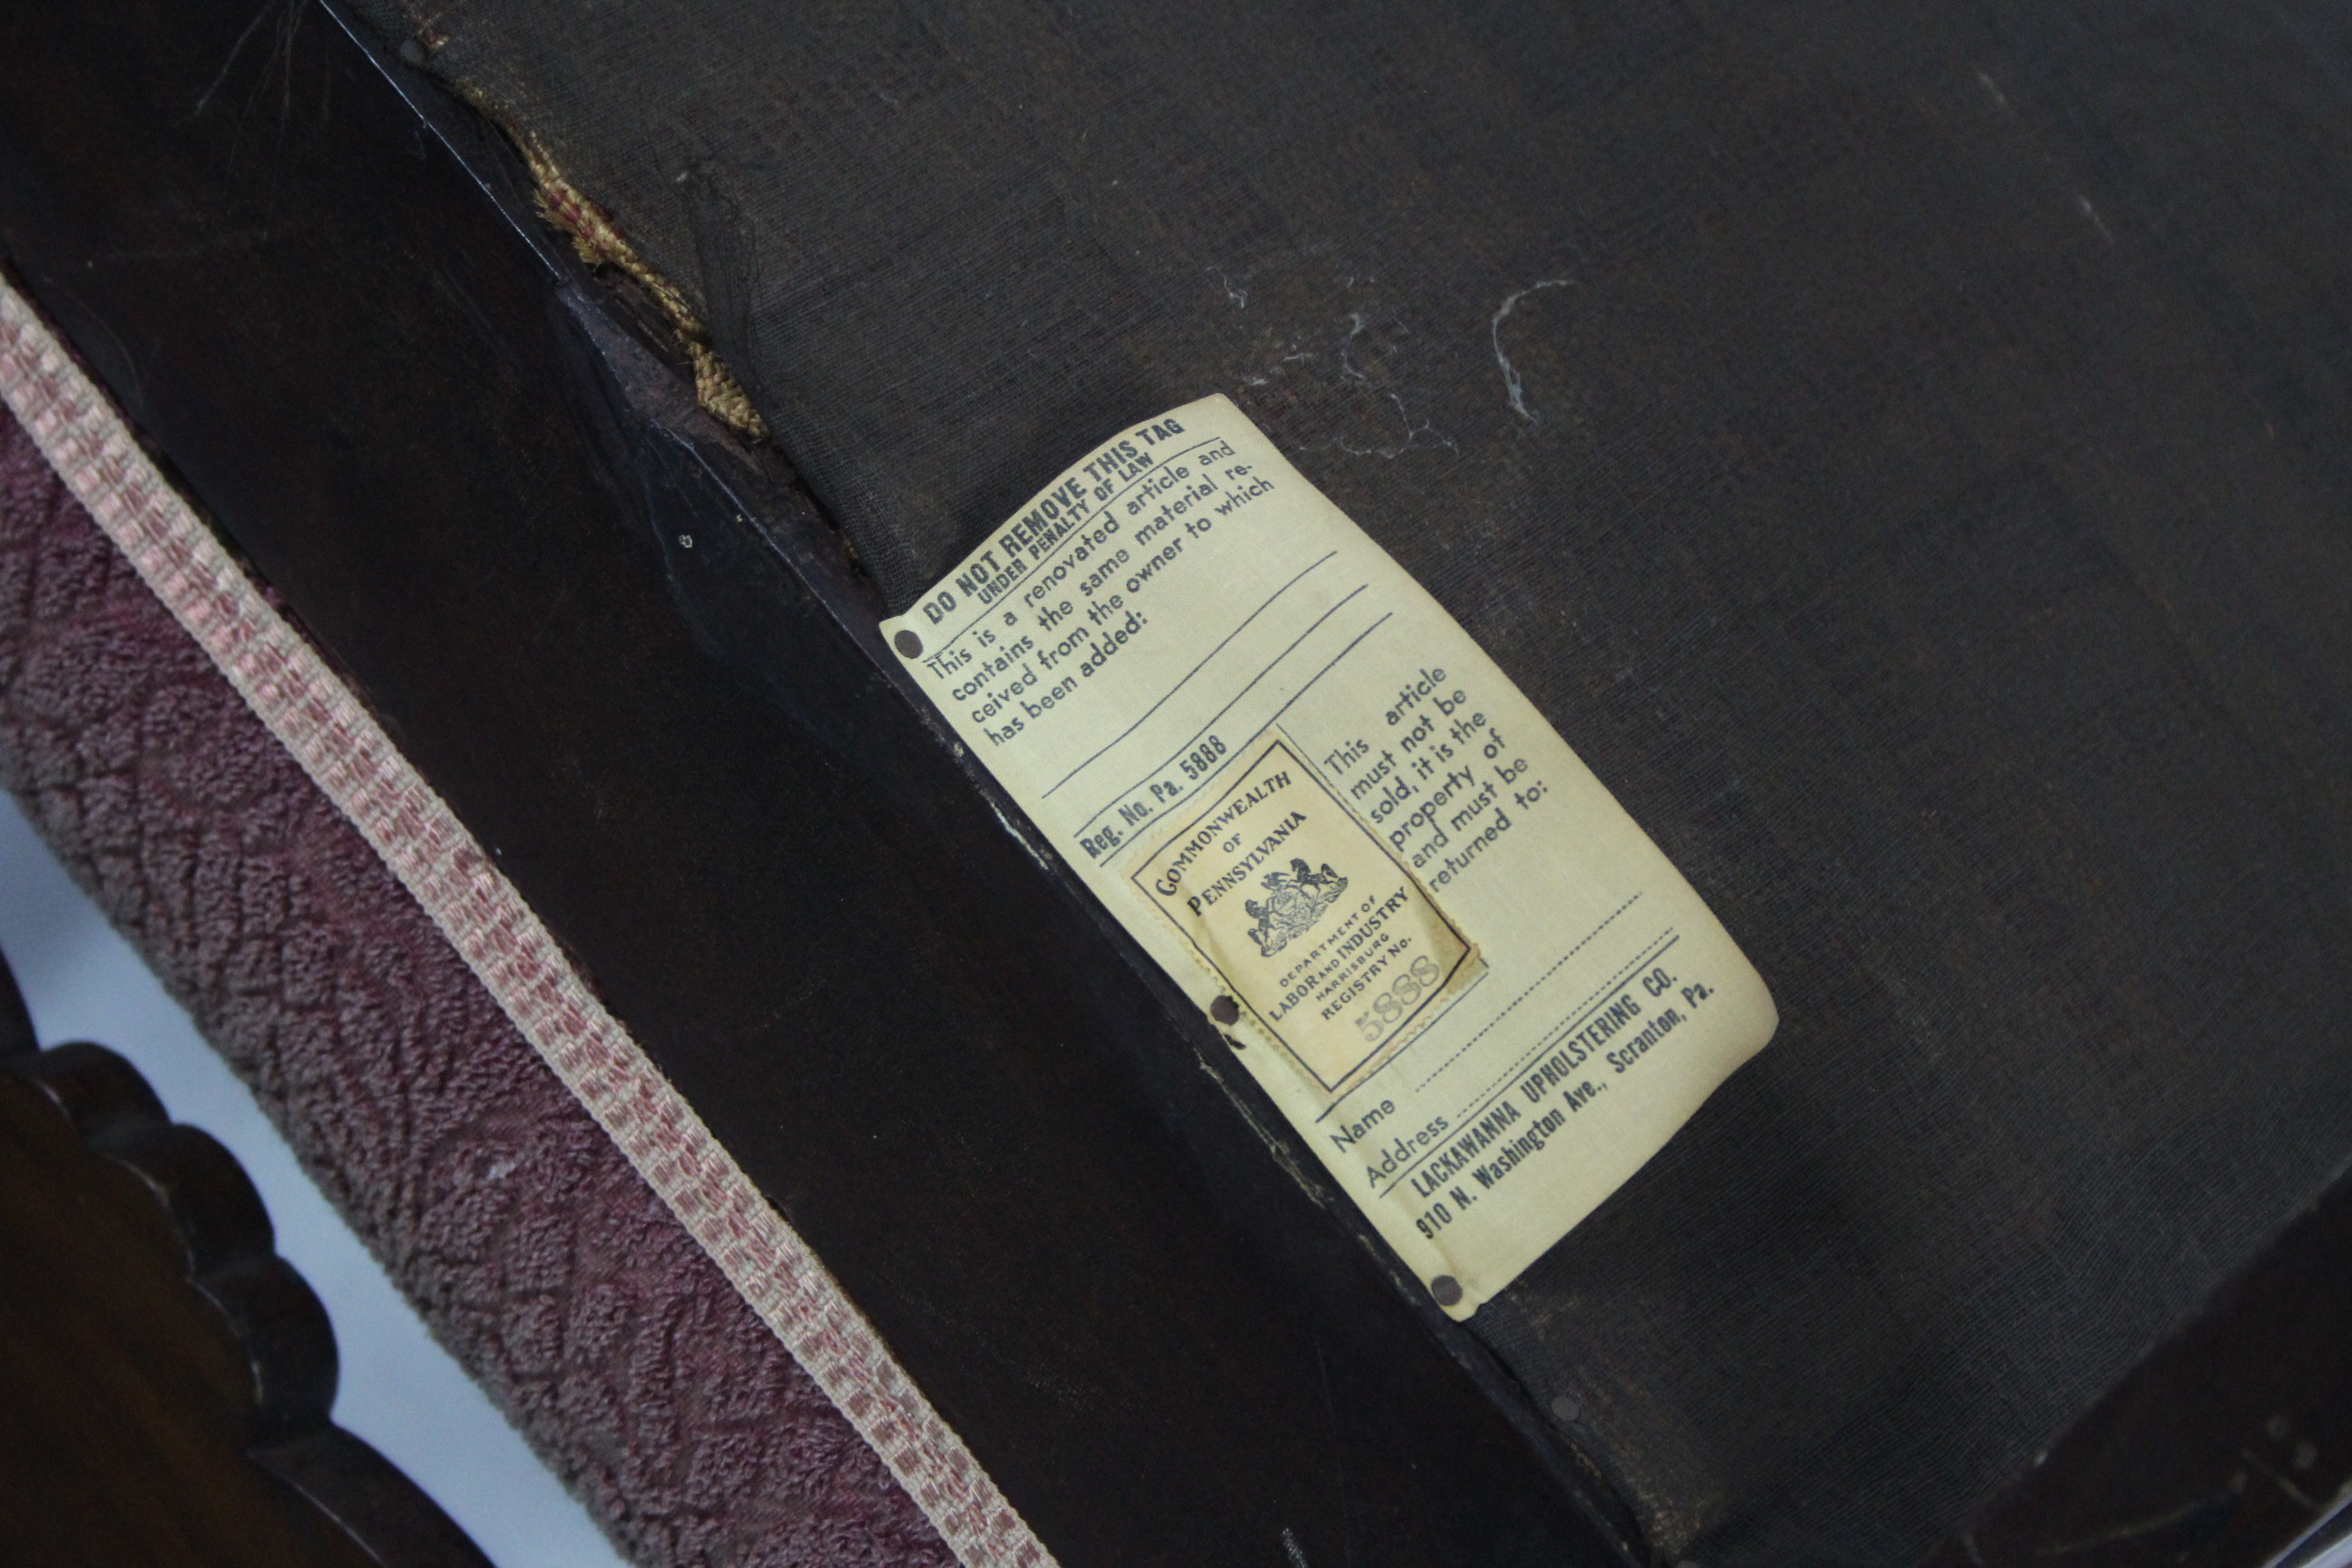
<point>1906,448</point>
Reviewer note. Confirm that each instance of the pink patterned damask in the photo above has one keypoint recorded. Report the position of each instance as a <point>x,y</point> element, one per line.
<point>556,1212</point>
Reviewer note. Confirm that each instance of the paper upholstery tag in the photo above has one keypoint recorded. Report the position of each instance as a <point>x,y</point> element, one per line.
<point>1480,993</point>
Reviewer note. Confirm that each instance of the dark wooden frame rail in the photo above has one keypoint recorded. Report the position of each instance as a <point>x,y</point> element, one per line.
<point>406,355</point>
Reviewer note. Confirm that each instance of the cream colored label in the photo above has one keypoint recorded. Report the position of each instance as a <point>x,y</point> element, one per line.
<point>1342,957</point>
<point>1472,983</point>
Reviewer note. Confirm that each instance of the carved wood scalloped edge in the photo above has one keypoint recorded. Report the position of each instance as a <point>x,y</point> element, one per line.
<point>325,728</point>
<point>232,1266</point>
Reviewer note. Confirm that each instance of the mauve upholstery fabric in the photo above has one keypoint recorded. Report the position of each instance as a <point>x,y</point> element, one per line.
<point>1906,450</point>
<point>533,1251</point>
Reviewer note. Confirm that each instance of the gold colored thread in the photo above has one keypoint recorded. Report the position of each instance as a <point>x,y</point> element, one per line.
<point>599,244</point>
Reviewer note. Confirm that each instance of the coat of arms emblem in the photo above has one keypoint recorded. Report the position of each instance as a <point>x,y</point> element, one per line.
<point>1295,899</point>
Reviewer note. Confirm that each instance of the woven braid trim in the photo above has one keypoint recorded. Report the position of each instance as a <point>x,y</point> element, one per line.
<point>355,764</point>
